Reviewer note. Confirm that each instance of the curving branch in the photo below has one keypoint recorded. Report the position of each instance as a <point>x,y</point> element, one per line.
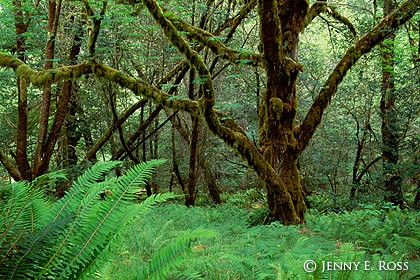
<point>388,25</point>
<point>139,87</point>
<point>316,9</point>
<point>366,169</point>
<point>336,15</point>
<point>321,7</point>
<point>119,128</point>
<point>237,140</point>
<point>214,42</point>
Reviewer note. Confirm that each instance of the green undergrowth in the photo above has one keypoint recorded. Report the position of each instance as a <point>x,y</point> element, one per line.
<point>382,242</point>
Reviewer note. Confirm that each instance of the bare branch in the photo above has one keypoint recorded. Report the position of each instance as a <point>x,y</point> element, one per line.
<point>121,119</point>
<point>359,177</point>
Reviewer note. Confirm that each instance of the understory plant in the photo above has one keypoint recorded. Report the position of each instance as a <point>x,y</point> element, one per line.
<point>383,242</point>
<point>63,240</point>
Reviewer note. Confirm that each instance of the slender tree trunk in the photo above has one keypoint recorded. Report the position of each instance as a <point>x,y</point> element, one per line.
<point>417,198</point>
<point>192,178</point>
<point>358,158</point>
<point>54,10</point>
<point>72,134</point>
<point>155,186</point>
<point>22,131</point>
<point>390,137</point>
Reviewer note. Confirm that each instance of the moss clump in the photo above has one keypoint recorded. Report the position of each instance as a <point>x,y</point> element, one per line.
<point>276,106</point>
<point>24,71</point>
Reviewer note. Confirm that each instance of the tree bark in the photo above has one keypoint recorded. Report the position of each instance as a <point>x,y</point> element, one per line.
<point>22,131</point>
<point>192,174</point>
<point>390,122</point>
<point>54,10</point>
<point>281,25</point>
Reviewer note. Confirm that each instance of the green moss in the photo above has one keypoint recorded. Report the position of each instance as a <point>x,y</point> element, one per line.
<point>24,71</point>
<point>276,106</point>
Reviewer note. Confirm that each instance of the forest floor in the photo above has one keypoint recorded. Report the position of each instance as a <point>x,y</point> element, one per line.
<point>373,242</point>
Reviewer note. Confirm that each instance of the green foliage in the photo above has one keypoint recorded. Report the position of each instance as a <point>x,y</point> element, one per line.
<point>251,198</point>
<point>386,230</point>
<point>173,254</point>
<point>270,251</point>
<point>328,202</point>
<point>64,240</point>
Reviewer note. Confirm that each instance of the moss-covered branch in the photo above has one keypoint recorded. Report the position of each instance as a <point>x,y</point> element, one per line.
<point>139,87</point>
<point>213,41</point>
<point>142,88</point>
<point>388,25</point>
<point>95,26</point>
<point>192,56</point>
<point>316,9</point>
<point>336,15</point>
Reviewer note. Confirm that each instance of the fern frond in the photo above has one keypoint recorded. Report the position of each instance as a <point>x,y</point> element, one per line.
<point>88,205</point>
<point>134,211</point>
<point>65,241</point>
<point>98,225</point>
<point>29,255</point>
<point>136,177</point>
<point>20,214</point>
<point>175,253</point>
<point>71,200</point>
<point>113,221</point>
<point>47,178</point>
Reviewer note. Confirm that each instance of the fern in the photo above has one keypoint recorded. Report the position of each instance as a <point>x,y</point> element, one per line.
<point>64,241</point>
<point>174,254</point>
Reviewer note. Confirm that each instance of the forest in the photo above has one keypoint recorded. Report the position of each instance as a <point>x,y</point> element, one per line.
<point>210,139</point>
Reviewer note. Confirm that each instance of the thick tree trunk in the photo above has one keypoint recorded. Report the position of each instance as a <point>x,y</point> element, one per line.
<point>389,114</point>
<point>280,28</point>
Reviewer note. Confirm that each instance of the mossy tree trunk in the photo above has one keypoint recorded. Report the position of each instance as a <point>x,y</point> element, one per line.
<point>281,22</point>
<point>389,113</point>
